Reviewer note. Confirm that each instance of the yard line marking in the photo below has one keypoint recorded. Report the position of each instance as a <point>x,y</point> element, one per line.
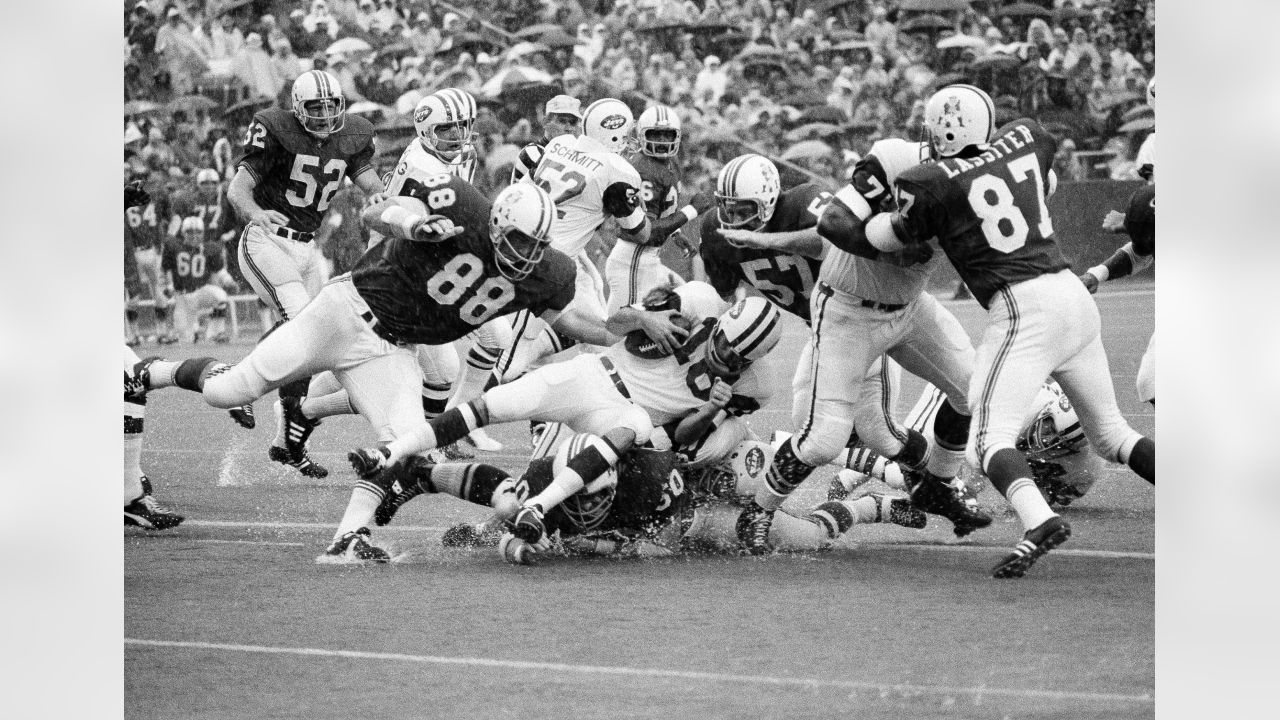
<point>883,688</point>
<point>247,542</point>
<point>868,545</point>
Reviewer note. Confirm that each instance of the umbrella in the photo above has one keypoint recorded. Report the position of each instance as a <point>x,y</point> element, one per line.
<point>140,107</point>
<point>804,98</point>
<point>853,44</point>
<point>513,76</point>
<point>192,103</point>
<point>396,49</point>
<point>464,40</point>
<point>1137,111</point>
<point>813,131</point>
<point>808,149</point>
<point>821,114</point>
<point>558,38</point>
<point>1024,9</point>
<point>348,45</point>
<point>1142,123</point>
<point>533,31</point>
<point>1067,12</point>
<point>926,23</point>
<point>252,104</point>
<point>933,5</point>
<point>1120,99</point>
<point>757,53</point>
<point>961,41</point>
<point>218,7</point>
<point>995,61</point>
<point>719,136</point>
<point>369,108</point>
<point>531,93</point>
<point>663,27</point>
<point>526,48</point>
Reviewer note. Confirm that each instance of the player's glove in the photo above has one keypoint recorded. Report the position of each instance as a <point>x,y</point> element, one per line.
<point>368,462</point>
<point>528,525</point>
<point>134,195</point>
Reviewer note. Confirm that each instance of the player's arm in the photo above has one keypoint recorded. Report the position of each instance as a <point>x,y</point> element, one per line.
<point>580,326</point>
<point>1135,255</point>
<point>806,242</point>
<point>240,195</point>
<point>621,200</point>
<point>526,160</point>
<point>371,184</point>
<point>664,227</point>
<point>707,415</point>
<point>408,218</point>
<point>658,325</point>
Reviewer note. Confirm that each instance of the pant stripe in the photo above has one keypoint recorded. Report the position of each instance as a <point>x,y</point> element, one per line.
<point>813,369</point>
<point>886,398</point>
<point>257,272</point>
<point>520,325</point>
<point>634,279</point>
<point>1005,346</point>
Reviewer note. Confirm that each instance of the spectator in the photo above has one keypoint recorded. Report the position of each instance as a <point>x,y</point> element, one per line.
<point>423,37</point>
<point>573,82</point>
<point>255,69</point>
<point>181,53</point>
<point>1123,63</point>
<point>284,63</point>
<point>1080,47</point>
<point>386,17</point>
<point>1065,164</point>
<point>319,20</point>
<point>365,15</point>
<point>1057,58</point>
<point>711,82</point>
<point>882,34</point>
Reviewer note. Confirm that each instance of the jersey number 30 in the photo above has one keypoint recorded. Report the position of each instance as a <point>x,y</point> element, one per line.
<point>458,276</point>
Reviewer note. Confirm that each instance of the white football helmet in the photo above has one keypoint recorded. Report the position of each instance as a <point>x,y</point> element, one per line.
<point>1064,464</point>
<point>958,116</point>
<point>192,230</point>
<point>450,110</point>
<point>746,332</point>
<point>658,131</point>
<point>318,103</point>
<point>519,223</point>
<point>747,192</point>
<point>588,507</point>
<point>609,122</point>
<point>1151,93</point>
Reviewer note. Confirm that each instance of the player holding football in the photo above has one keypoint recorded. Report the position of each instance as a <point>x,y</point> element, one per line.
<point>618,396</point>
<point>631,269</point>
<point>865,309</point>
<point>985,200</point>
<point>450,262</point>
<point>292,164</point>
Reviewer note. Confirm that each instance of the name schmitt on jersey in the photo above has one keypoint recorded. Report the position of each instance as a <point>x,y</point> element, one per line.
<point>588,183</point>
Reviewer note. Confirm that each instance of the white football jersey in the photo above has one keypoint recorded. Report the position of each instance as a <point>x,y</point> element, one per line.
<point>416,164</point>
<point>885,280</point>
<point>588,184</point>
<point>666,387</point>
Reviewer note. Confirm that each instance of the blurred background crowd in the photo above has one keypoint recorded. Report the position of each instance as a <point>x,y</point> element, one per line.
<point>809,83</point>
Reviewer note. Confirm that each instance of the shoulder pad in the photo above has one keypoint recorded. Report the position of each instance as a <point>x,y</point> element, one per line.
<point>355,135</point>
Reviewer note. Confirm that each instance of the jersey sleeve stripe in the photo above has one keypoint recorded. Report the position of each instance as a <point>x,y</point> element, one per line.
<point>252,173</point>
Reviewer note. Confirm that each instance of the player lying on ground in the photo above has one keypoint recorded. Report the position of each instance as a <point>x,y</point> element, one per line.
<point>448,265</point>
<point>618,396</point>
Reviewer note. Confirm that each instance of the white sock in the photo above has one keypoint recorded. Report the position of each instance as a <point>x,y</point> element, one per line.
<point>865,509</point>
<point>133,422</point>
<point>944,462</point>
<point>360,508</point>
<point>323,384</point>
<point>278,440</point>
<point>162,372</point>
<point>335,403</point>
<point>1026,500</point>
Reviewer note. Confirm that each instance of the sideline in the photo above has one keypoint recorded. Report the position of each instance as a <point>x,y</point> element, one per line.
<point>903,690</point>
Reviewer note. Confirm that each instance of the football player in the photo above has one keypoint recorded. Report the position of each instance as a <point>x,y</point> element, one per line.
<point>1134,256</point>
<point>865,309</point>
<point>293,162</point>
<point>590,182</point>
<point>985,202</point>
<point>204,201</point>
<point>195,268</point>
<point>619,395</point>
<point>632,270</point>
<point>145,230</point>
<point>451,261</point>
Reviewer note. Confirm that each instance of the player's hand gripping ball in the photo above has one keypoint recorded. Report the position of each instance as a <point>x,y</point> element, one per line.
<point>664,304</point>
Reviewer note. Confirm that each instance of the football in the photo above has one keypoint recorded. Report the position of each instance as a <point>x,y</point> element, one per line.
<point>640,345</point>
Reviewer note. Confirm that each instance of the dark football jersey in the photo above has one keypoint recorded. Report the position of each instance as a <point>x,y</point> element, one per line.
<point>1140,220</point>
<point>646,496</point>
<point>191,204</point>
<point>148,226</point>
<point>659,183</point>
<point>191,266</point>
<point>989,212</point>
<point>298,174</point>
<point>434,293</point>
<point>784,278</point>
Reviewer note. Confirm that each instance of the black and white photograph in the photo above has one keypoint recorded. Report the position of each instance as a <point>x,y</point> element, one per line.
<point>653,359</point>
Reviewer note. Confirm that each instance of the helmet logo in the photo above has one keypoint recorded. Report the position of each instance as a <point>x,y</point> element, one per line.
<point>754,461</point>
<point>613,122</point>
<point>1064,403</point>
<point>951,112</point>
<point>424,112</point>
<point>735,312</point>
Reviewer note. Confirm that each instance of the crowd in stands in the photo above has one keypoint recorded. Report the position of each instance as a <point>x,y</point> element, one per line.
<point>811,82</point>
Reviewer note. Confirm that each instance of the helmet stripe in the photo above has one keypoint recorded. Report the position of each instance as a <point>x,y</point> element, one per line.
<point>769,319</point>
<point>322,83</point>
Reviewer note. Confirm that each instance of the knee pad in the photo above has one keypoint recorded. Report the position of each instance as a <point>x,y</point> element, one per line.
<point>950,428</point>
<point>823,440</point>
<point>715,445</point>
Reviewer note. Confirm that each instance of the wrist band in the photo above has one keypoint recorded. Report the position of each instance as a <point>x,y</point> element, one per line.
<point>1099,271</point>
<point>689,212</point>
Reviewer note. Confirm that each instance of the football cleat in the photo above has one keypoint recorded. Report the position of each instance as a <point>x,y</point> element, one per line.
<point>399,485</point>
<point>1035,542</point>
<point>368,462</point>
<point>753,529</point>
<point>297,428</point>
<point>456,451</point>
<point>353,548</point>
<point>243,416</point>
<point>836,491</point>
<point>468,535</point>
<point>146,485</point>
<point>900,511</point>
<point>516,551</point>
<point>481,440</point>
<point>147,512</point>
<point>141,381</point>
<point>936,497</point>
